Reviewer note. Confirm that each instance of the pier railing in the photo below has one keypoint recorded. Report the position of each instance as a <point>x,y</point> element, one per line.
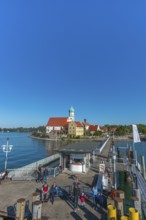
<point>99,150</point>
<point>29,172</point>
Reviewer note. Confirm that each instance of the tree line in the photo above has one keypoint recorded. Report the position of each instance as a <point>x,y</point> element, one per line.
<point>118,130</point>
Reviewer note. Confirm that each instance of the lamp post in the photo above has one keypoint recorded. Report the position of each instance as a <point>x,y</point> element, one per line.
<point>114,167</point>
<point>6,149</point>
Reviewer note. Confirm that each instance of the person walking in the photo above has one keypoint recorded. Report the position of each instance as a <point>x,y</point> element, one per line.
<point>76,194</point>
<point>45,175</point>
<point>91,162</point>
<point>75,182</point>
<point>53,192</point>
<point>95,196</point>
<point>39,174</point>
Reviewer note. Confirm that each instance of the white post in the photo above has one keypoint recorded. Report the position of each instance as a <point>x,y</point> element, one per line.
<point>114,158</point>
<point>143,167</point>
<point>136,158</point>
<point>7,148</point>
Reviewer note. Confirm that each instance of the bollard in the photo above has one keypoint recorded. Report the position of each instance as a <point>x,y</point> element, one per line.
<point>112,212</point>
<point>127,177</point>
<point>133,214</point>
<point>137,206</point>
<point>135,202</point>
<point>124,218</point>
<point>37,210</point>
<point>20,209</point>
<point>35,196</point>
<point>119,206</point>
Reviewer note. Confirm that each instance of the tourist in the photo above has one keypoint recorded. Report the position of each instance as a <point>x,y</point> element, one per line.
<point>112,193</point>
<point>45,192</point>
<point>75,182</point>
<point>91,162</point>
<point>53,192</point>
<point>45,175</point>
<point>76,194</point>
<point>83,199</point>
<point>95,196</point>
<point>39,174</point>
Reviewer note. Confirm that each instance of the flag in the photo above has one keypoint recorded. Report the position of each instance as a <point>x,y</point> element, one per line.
<point>136,137</point>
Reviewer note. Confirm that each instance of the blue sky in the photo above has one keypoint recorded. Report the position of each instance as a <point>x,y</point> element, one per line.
<point>87,54</point>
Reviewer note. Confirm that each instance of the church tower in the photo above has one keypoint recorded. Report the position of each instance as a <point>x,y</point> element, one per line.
<point>71,114</point>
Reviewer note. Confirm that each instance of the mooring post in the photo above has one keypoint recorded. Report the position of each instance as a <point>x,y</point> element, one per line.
<point>35,196</point>
<point>119,206</point>
<point>37,210</point>
<point>20,209</point>
<point>112,212</point>
<point>137,204</point>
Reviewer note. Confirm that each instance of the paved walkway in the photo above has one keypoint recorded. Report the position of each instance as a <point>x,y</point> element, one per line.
<point>11,191</point>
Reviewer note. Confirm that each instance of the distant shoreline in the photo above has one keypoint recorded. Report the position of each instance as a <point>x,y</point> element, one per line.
<point>85,139</point>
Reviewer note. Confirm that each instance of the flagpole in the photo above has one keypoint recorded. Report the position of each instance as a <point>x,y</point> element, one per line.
<point>133,152</point>
<point>136,139</point>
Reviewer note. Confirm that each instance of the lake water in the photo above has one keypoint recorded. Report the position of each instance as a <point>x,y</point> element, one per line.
<point>25,149</point>
<point>139,147</point>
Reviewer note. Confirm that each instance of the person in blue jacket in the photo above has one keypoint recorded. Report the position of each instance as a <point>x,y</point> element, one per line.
<point>95,196</point>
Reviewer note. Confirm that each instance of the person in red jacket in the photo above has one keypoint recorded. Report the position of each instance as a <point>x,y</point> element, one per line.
<point>83,200</point>
<point>112,193</point>
<point>45,192</point>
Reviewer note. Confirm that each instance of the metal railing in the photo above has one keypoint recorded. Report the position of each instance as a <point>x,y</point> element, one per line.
<point>31,174</point>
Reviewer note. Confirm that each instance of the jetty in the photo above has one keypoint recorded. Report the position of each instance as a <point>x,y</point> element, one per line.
<point>13,192</point>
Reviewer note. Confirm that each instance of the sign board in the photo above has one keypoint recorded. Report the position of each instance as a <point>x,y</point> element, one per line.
<point>102,167</point>
<point>77,156</point>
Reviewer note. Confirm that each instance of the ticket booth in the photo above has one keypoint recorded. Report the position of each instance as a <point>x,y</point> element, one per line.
<point>78,163</point>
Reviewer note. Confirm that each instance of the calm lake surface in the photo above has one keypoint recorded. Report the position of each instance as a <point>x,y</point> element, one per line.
<point>27,150</point>
<point>139,147</point>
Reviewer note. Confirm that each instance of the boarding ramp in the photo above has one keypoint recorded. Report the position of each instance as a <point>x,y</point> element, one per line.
<point>99,150</point>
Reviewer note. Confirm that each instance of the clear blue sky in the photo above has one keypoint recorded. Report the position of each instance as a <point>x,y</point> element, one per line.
<point>87,54</point>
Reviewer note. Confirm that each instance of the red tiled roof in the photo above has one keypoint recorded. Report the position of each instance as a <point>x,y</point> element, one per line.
<point>78,124</point>
<point>93,128</point>
<point>62,121</point>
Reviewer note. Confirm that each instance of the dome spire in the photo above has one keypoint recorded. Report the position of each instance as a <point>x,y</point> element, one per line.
<point>71,109</point>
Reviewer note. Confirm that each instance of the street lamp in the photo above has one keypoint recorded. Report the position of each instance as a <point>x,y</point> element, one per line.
<point>7,148</point>
<point>114,168</point>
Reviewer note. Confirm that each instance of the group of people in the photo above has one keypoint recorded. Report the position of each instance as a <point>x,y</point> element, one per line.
<point>77,194</point>
<point>42,174</point>
<point>49,192</point>
<point>82,196</point>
